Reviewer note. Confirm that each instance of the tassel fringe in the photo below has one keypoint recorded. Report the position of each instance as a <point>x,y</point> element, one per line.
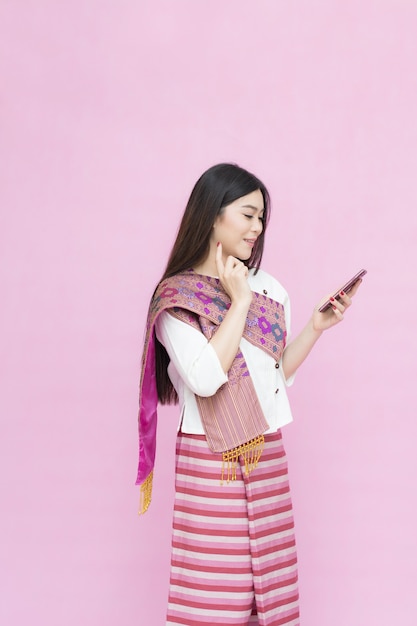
<point>251,452</point>
<point>145,494</point>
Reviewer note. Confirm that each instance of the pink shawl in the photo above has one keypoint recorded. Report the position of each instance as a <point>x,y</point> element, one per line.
<point>233,416</point>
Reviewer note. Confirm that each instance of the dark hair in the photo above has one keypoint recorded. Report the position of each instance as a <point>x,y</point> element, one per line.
<point>218,187</point>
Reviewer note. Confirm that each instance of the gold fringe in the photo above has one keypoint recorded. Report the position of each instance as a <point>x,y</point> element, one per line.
<point>145,494</point>
<point>251,452</point>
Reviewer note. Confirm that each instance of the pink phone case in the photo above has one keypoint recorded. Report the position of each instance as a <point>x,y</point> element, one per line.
<point>346,288</point>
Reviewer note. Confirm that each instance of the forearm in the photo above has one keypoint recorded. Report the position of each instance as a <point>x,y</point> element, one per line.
<point>298,350</point>
<point>227,338</point>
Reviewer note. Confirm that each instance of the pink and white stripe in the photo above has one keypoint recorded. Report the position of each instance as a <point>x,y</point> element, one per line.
<point>233,548</point>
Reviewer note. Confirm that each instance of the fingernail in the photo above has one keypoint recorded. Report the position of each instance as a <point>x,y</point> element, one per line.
<point>331,299</point>
<point>218,243</point>
<point>342,293</point>
<point>334,307</point>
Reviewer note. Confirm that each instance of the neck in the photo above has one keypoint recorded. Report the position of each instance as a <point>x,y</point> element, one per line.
<point>208,267</point>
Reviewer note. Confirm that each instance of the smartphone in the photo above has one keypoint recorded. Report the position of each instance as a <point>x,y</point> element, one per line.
<point>346,288</point>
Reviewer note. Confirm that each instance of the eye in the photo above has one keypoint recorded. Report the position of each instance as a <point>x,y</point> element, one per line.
<point>260,218</point>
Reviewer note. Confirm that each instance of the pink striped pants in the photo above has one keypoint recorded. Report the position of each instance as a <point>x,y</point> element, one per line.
<point>233,547</point>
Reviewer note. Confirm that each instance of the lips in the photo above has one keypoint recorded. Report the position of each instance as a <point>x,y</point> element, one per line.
<point>250,242</point>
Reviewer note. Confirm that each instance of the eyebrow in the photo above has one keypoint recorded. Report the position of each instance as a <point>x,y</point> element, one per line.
<point>255,208</point>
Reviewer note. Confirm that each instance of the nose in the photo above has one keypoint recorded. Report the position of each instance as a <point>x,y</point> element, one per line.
<point>257,226</point>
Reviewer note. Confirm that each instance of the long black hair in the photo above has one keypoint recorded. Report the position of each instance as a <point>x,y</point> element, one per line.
<point>218,187</point>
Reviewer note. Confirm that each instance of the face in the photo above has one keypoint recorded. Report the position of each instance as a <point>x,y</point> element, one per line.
<point>240,224</point>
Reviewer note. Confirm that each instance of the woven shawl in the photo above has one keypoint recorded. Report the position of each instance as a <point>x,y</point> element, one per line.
<point>233,415</point>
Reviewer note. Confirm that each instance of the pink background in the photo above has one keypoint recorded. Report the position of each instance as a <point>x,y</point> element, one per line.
<point>109,113</point>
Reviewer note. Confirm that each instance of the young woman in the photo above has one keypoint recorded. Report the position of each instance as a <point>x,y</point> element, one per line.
<point>218,343</point>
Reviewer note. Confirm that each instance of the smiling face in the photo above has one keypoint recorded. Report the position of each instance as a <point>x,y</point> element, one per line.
<point>239,225</point>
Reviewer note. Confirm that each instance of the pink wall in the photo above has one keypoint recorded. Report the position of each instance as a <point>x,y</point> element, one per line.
<point>109,113</point>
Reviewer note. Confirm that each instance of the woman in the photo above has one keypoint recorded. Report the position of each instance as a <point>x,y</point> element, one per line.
<point>217,342</point>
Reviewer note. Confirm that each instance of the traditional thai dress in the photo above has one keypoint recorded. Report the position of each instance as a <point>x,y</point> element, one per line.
<point>233,546</point>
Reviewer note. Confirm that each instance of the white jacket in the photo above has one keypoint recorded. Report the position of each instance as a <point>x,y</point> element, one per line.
<point>195,368</point>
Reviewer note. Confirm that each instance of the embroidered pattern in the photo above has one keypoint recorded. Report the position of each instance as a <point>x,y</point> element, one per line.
<point>191,296</point>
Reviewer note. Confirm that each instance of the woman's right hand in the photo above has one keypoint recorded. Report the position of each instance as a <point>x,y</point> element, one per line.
<point>233,275</point>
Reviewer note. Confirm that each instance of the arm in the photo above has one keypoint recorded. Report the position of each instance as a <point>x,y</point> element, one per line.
<point>298,350</point>
<point>190,353</point>
<point>203,365</point>
<point>234,278</point>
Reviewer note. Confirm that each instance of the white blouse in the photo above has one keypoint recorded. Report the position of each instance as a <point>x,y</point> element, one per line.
<point>195,368</point>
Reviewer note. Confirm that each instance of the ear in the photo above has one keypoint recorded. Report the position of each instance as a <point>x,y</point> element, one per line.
<point>217,220</point>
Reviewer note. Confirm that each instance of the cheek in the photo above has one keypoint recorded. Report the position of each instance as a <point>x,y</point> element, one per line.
<point>227,227</point>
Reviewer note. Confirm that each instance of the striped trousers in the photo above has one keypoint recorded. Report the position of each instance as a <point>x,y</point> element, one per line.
<point>233,546</point>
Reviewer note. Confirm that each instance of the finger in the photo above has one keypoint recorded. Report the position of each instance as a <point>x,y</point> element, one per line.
<point>240,270</point>
<point>337,304</point>
<point>232,264</point>
<point>337,312</point>
<point>324,300</point>
<point>344,298</point>
<point>243,270</point>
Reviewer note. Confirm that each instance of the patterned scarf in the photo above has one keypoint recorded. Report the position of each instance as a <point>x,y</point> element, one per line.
<point>232,418</point>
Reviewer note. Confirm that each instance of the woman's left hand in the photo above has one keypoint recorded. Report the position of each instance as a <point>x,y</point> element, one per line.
<point>335,314</point>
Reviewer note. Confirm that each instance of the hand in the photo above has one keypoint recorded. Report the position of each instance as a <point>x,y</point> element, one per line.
<point>233,276</point>
<point>334,315</point>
